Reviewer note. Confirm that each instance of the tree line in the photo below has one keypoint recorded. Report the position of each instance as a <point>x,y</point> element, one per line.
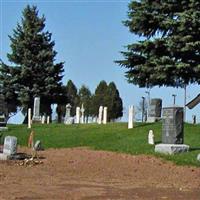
<point>35,73</point>
<point>104,95</point>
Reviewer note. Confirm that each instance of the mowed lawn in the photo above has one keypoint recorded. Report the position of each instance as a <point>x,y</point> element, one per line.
<point>111,137</point>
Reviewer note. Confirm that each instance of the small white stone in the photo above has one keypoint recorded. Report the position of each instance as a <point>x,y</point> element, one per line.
<point>151,137</point>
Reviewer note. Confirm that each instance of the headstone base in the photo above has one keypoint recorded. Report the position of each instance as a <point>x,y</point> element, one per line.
<point>153,119</point>
<point>3,128</point>
<point>69,121</point>
<point>198,157</point>
<point>171,148</point>
<point>4,156</point>
<point>36,120</point>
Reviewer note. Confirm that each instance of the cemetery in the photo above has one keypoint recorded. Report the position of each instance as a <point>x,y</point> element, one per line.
<point>108,143</point>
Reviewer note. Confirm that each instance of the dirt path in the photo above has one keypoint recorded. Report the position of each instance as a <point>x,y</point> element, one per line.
<point>81,173</point>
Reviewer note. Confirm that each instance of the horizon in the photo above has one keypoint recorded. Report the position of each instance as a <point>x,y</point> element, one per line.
<point>89,36</point>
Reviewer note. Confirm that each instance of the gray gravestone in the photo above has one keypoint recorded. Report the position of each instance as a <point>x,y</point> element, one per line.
<point>3,111</point>
<point>154,110</point>
<point>172,127</point>
<point>10,145</point>
<point>36,110</point>
<point>68,118</point>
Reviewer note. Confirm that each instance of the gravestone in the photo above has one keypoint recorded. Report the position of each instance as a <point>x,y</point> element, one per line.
<point>10,145</point>
<point>130,117</point>
<point>172,127</point>
<point>198,157</point>
<point>3,110</point>
<point>100,114</point>
<point>67,112</point>
<point>77,115</point>
<point>105,111</point>
<point>154,110</point>
<point>38,146</point>
<point>43,119</point>
<point>68,119</point>
<point>150,137</point>
<point>194,119</point>
<point>82,114</point>
<point>36,111</point>
<point>48,119</point>
<point>172,132</point>
<point>29,118</point>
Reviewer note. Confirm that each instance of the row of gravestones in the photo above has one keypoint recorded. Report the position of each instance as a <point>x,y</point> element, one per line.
<point>79,118</point>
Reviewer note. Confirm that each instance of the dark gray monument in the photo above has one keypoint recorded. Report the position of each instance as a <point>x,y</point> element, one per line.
<point>154,110</point>
<point>172,127</point>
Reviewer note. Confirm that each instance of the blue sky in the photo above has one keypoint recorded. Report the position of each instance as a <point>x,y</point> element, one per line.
<point>89,36</point>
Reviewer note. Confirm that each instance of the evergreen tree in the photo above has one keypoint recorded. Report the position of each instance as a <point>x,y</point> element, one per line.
<point>85,99</point>
<point>113,102</point>
<point>8,88</point>
<point>33,54</point>
<point>169,51</point>
<point>72,96</point>
<point>107,96</point>
<point>99,98</point>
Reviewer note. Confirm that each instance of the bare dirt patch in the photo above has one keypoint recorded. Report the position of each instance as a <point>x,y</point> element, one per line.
<point>81,173</point>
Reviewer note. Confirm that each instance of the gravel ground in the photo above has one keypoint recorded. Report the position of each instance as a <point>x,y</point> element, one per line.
<point>80,173</point>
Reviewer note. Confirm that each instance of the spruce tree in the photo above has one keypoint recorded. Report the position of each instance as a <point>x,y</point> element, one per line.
<point>72,95</point>
<point>99,98</point>
<point>8,88</point>
<point>85,99</point>
<point>168,53</point>
<point>114,102</point>
<point>33,54</point>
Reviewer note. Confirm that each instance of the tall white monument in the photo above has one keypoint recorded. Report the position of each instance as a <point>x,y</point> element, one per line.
<point>29,118</point>
<point>82,114</point>
<point>105,110</point>
<point>100,114</point>
<point>36,110</point>
<point>130,117</point>
<point>77,115</point>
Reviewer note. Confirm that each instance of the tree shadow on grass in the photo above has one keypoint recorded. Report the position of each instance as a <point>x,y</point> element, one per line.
<point>144,124</point>
<point>158,142</point>
<point>194,148</point>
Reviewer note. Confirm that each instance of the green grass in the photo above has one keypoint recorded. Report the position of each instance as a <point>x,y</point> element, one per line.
<point>111,137</point>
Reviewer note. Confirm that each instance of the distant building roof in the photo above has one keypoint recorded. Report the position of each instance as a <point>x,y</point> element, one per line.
<point>194,102</point>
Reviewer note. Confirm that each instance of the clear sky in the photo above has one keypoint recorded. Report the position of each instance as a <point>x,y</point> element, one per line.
<point>89,36</point>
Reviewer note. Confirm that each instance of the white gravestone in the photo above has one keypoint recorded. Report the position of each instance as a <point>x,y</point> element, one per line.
<point>48,119</point>
<point>100,114</point>
<point>68,112</point>
<point>77,115</point>
<point>68,119</point>
<point>130,117</point>
<point>43,119</point>
<point>105,110</point>
<point>82,114</point>
<point>36,110</point>
<point>29,118</point>
<point>10,145</point>
<point>150,137</point>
